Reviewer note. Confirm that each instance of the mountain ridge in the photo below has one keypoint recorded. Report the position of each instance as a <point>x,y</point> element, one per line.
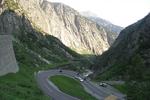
<point>131,43</point>
<point>128,59</point>
<point>68,25</point>
<point>112,30</point>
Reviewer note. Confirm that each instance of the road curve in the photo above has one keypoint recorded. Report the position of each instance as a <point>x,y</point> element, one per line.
<point>51,90</point>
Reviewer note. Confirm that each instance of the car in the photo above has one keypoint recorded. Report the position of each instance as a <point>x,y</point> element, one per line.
<point>79,78</point>
<point>103,84</point>
<point>78,73</point>
<point>84,78</point>
<point>60,70</point>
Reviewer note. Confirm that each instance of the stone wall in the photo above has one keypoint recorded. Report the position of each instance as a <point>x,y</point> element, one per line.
<point>8,62</point>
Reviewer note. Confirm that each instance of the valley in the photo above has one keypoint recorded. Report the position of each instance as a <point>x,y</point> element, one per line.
<point>47,48</point>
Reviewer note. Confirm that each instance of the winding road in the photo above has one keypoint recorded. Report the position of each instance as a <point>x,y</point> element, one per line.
<point>51,90</point>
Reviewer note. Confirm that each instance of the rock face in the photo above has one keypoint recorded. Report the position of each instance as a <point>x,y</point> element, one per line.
<point>23,33</point>
<point>8,62</point>
<point>65,23</point>
<point>112,30</point>
<point>32,46</point>
<point>32,22</point>
<point>132,41</point>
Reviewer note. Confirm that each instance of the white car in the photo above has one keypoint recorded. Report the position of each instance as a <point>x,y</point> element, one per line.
<point>79,78</point>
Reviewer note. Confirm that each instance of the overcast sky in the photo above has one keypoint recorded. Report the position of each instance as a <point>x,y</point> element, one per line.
<point>119,12</point>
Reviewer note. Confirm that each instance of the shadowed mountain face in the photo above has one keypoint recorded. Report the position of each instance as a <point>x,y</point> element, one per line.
<point>65,23</point>
<point>128,59</point>
<point>131,48</point>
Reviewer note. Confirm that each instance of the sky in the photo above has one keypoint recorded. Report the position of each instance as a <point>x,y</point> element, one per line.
<point>119,12</point>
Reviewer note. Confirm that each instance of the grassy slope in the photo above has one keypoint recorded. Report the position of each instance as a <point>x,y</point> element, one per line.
<point>21,86</point>
<point>132,71</point>
<point>121,87</point>
<point>71,87</point>
<point>136,75</point>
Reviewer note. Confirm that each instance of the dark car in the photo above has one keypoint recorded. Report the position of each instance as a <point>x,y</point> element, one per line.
<point>60,70</point>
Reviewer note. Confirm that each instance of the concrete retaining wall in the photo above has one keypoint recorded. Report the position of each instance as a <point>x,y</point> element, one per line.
<point>8,62</point>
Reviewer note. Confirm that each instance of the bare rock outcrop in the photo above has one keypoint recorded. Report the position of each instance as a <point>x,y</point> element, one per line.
<point>65,23</point>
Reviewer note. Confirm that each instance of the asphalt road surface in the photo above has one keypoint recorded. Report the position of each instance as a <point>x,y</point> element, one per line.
<point>51,90</point>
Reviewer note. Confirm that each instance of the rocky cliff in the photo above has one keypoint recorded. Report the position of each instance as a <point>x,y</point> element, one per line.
<point>24,35</point>
<point>65,23</point>
<point>32,46</point>
<point>112,30</point>
<point>8,63</point>
<point>34,50</point>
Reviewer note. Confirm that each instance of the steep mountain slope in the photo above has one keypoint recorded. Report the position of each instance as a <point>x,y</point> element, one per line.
<point>65,23</point>
<point>112,30</point>
<point>129,59</point>
<point>133,40</point>
<point>34,51</point>
<point>102,22</point>
<point>43,47</point>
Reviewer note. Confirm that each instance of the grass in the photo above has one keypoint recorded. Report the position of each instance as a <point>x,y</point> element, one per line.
<point>131,71</point>
<point>136,77</point>
<point>135,90</point>
<point>121,87</point>
<point>21,86</point>
<point>28,47</point>
<point>71,87</point>
<point>111,73</point>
